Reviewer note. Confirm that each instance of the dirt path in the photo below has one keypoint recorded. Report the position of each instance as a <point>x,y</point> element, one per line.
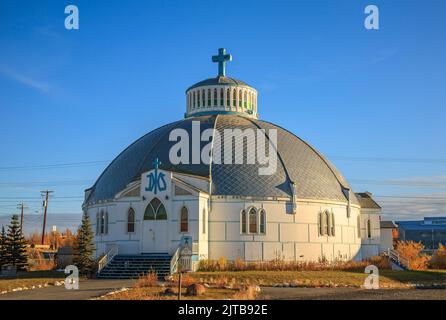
<point>87,289</point>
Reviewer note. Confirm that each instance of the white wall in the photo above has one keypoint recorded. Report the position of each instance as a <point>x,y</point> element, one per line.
<point>292,237</point>
<point>386,239</point>
<point>289,236</point>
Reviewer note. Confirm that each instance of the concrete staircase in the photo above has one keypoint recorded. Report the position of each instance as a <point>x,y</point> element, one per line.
<point>132,266</point>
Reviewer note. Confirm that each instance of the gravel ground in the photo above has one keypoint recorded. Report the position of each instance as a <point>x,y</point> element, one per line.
<point>351,294</point>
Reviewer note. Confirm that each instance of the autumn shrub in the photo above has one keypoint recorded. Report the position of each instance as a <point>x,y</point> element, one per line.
<point>222,263</point>
<point>186,280</point>
<point>438,260</point>
<point>239,264</point>
<point>37,262</point>
<point>413,252</point>
<point>148,280</point>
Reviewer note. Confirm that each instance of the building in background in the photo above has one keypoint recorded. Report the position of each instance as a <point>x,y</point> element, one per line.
<point>389,235</point>
<point>430,232</point>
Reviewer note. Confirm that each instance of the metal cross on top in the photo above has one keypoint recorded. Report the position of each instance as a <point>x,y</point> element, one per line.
<point>221,58</point>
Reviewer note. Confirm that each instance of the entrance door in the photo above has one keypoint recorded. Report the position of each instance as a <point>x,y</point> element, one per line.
<point>155,231</point>
<point>155,236</point>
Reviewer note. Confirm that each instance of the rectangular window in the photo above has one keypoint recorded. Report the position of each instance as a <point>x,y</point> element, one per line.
<point>131,227</point>
<point>262,223</point>
<point>204,221</point>
<point>243,222</point>
<point>252,223</point>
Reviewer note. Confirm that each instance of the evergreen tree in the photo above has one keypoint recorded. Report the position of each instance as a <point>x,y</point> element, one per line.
<point>2,247</point>
<point>84,247</point>
<point>16,245</point>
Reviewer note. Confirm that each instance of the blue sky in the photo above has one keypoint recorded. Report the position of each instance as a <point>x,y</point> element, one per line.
<point>355,94</point>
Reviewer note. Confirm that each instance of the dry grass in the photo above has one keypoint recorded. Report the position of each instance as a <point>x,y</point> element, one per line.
<point>388,278</point>
<point>147,281</point>
<point>29,279</point>
<point>157,294</point>
<point>9,284</point>
<point>240,285</point>
<point>186,280</point>
<point>278,264</point>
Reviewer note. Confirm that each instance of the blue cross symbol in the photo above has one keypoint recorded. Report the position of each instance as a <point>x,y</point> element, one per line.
<point>156,179</point>
<point>221,58</point>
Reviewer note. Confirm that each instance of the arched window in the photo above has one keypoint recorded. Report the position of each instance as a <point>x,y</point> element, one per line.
<point>245,100</point>
<point>131,221</point>
<point>369,229</point>
<point>203,97</point>
<point>209,97</point>
<point>184,220</point>
<point>215,96</point>
<point>243,220</point>
<point>240,98</point>
<point>332,225</point>
<point>204,221</point>
<point>106,223</point>
<point>98,222</point>
<point>319,224</point>
<point>252,220</point>
<point>228,98</point>
<point>234,98</point>
<point>198,98</point>
<point>326,219</point>
<point>155,210</point>
<point>325,223</point>
<point>102,222</point>
<point>262,223</point>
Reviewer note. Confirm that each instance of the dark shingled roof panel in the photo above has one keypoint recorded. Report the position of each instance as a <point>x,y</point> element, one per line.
<point>366,201</point>
<point>313,175</point>
<point>219,80</point>
<point>387,225</point>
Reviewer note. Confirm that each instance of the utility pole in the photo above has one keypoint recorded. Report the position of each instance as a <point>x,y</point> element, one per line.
<point>22,206</point>
<point>45,193</point>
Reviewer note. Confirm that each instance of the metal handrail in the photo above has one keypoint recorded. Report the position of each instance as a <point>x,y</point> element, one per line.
<point>395,256</point>
<point>174,261</point>
<point>107,258</point>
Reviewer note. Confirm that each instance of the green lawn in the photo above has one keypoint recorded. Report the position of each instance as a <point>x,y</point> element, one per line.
<point>388,278</point>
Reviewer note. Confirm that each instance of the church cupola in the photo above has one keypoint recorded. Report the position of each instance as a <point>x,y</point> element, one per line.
<point>221,95</point>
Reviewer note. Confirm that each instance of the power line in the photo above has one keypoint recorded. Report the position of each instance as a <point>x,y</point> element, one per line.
<point>52,183</point>
<point>347,158</point>
<point>383,159</point>
<point>404,183</point>
<point>63,197</point>
<point>57,165</point>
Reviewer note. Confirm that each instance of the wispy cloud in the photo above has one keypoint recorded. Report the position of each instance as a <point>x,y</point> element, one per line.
<point>414,207</point>
<point>24,79</point>
<point>384,55</point>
